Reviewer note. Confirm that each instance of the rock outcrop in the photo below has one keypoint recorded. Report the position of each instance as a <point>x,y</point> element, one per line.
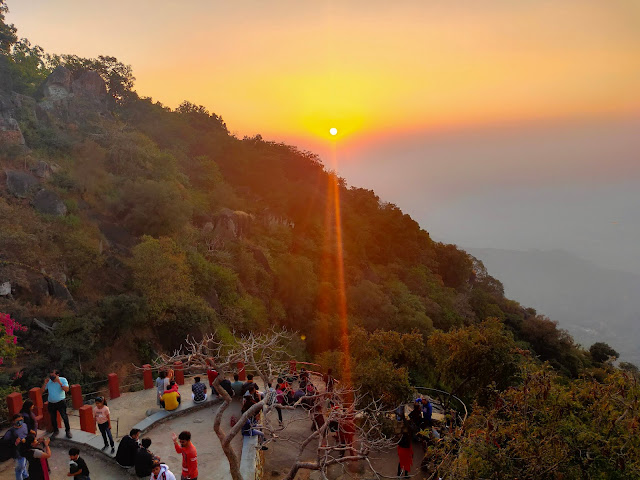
<point>10,133</point>
<point>74,98</point>
<point>30,285</point>
<point>230,225</point>
<point>58,85</point>
<point>20,184</point>
<point>42,169</point>
<point>49,203</point>
<point>90,85</point>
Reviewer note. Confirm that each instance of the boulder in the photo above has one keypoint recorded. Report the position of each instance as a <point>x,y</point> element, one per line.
<point>10,133</point>
<point>90,84</point>
<point>49,203</point>
<point>5,289</point>
<point>58,290</point>
<point>20,184</point>
<point>229,224</point>
<point>58,85</point>
<point>42,170</point>
<point>38,288</point>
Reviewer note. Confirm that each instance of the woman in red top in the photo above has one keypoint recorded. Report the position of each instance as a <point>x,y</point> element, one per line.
<point>405,452</point>
<point>183,445</point>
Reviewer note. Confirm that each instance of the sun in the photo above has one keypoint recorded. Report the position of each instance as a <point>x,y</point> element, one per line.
<point>333,131</point>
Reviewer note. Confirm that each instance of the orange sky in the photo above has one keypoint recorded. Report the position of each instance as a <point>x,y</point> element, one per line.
<point>291,70</point>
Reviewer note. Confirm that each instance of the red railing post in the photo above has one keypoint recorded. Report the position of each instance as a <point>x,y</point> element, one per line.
<point>242,374</point>
<point>14,403</point>
<point>87,423</point>
<point>35,394</point>
<point>147,376</point>
<point>114,385</point>
<point>76,396</point>
<point>179,373</point>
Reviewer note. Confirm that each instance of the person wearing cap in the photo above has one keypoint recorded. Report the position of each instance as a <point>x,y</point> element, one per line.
<point>427,412</point>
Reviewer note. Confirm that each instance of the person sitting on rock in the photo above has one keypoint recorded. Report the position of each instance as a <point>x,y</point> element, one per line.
<point>170,399</point>
<point>199,391</point>
<point>145,459</point>
<point>126,456</point>
<point>173,387</point>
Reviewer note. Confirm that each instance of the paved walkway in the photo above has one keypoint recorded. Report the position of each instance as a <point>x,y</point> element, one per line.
<point>212,463</point>
<point>99,466</point>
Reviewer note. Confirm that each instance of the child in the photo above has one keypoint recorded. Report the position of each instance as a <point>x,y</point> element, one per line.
<point>102,417</point>
<point>77,466</point>
<point>160,471</point>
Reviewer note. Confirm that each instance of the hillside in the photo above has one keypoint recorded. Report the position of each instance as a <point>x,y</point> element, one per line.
<point>593,303</point>
<point>144,224</point>
<point>127,225</point>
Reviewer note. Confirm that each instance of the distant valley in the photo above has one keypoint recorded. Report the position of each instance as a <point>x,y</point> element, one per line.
<point>591,302</point>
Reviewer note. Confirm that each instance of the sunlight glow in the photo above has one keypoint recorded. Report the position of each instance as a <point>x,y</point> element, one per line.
<point>333,131</point>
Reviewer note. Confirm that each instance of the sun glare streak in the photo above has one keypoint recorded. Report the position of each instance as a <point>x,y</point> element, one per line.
<point>334,197</point>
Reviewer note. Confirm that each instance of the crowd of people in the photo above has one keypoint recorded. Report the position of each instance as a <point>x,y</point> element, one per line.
<point>419,426</point>
<point>31,453</point>
<point>136,453</point>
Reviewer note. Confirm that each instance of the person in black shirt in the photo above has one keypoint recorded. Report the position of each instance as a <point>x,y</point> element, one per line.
<point>77,466</point>
<point>126,456</point>
<point>247,384</point>
<point>144,459</point>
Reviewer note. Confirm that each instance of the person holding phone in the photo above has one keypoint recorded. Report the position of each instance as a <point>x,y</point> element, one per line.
<point>57,387</point>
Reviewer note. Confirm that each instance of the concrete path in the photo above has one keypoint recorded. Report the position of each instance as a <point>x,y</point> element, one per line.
<point>212,463</point>
<point>99,466</point>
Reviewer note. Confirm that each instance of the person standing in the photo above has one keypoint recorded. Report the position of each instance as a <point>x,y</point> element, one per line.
<point>162,383</point>
<point>183,445</point>
<point>17,433</point>
<point>57,387</point>
<point>29,416</point>
<point>102,416</point>
<point>405,452</point>
<point>38,465</point>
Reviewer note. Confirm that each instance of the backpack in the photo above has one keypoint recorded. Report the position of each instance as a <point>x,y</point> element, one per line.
<point>8,445</point>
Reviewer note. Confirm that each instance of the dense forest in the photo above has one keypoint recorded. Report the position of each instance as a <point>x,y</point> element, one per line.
<point>126,225</point>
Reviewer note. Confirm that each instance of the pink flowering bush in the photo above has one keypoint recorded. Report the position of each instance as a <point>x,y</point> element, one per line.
<point>8,340</point>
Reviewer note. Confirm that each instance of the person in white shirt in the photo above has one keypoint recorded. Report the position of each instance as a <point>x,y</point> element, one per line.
<point>160,471</point>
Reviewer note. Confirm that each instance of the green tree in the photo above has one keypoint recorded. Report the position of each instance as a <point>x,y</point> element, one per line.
<point>546,428</point>
<point>8,32</point>
<point>601,352</point>
<point>153,208</point>
<point>161,274</point>
<point>471,359</point>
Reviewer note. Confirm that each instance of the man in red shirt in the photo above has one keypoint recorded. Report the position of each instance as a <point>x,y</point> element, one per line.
<point>183,445</point>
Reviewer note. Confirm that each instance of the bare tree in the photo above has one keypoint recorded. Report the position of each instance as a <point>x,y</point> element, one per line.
<point>263,354</point>
<point>340,413</point>
<point>345,430</point>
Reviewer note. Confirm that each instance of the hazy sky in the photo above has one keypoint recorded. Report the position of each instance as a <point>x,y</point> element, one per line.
<point>497,123</point>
